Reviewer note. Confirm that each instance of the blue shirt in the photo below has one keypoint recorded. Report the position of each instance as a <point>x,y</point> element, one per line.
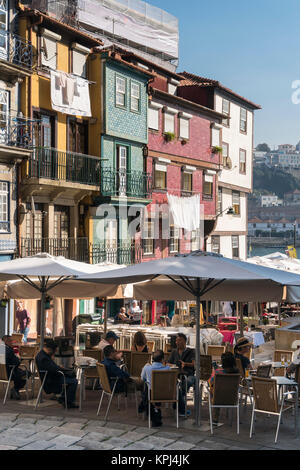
<point>148,368</point>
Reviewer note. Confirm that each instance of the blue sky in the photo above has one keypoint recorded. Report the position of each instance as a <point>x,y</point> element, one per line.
<point>253,47</point>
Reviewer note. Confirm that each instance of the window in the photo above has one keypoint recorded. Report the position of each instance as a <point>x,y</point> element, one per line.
<point>196,239</point>
<point>235,246</point>
<point>236,202</point>
<point>4,207</point>
<point>135,97</point>
<point>3,27</point>
<point>226,111</point>
<point>184,128</point>
<point>225,156</point>
<point>148,237</point>
<point>172,89</point>
<point>79,59</point>
<point>4,107</point>
<point>187,181</point>
<point>215,137</point>
<point>169,120</point>
<point>215,244</point>
<point>208,183</point>
<point>242,161</point>
<point>174,239</point>
<point>220,205</point>
<point>120,92</point>
<point>153,117</point>
<point>243,120</point>
<point>34,225</point>
<point>160,176</point>
<point>49,49</point>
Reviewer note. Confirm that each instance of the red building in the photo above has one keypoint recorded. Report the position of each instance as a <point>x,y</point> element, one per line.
<point>181,158</point>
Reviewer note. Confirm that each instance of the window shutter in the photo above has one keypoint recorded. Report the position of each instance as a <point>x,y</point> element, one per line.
<point>169,123</point>
<point>79,63</point>
<point>153,118</point>
<point>184,128</point>
<point>215,137</point>
<point>49,50</point>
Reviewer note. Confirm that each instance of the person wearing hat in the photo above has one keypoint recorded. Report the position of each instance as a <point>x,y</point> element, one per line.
<point>109,340</point>
<point>241,348</point>
<point>54,379</point>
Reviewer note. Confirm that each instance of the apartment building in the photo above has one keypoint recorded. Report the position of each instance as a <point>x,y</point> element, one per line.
<point>229,236</point>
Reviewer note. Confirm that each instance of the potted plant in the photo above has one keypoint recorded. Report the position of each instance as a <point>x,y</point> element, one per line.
<point>216,149</point>
<point>169,136</point>
<point>183,142</point>
<point>3,302</point>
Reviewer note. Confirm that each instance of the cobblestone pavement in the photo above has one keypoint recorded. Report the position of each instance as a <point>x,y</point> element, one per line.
<point>32,431</point>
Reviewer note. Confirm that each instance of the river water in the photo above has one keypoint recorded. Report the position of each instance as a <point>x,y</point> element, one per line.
<point>266,250</point>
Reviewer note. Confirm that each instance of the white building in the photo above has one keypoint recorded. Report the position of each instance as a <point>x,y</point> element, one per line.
<point>289,160</point>
<point>270,200</point>
<point>257,226</point>
<point>229,236</point>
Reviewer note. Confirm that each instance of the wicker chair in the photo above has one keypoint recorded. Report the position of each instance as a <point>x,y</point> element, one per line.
<point>94,353</point>
<point>127,359</point>
<point>278,353</point>
<point>225,395</point>
<point>137,362</point>
<point>215,351</point>
<point>17,338</point>
<point>108,390</point>
<point>164,389</point>
<point>264,371</point>
<point>266,401</point>
<point>5,379</point>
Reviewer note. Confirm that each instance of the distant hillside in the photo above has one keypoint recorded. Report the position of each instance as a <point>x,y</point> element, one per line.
<point>273,180</point>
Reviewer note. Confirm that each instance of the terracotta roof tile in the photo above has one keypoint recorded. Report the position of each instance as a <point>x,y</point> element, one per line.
<point>191,79</point>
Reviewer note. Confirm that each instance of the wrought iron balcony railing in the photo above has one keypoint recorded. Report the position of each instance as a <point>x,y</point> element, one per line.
<point>15,49</point>
<point>16,131</point>
<point>79,249</point>
<point>125,183</point>
<point>57,165</point>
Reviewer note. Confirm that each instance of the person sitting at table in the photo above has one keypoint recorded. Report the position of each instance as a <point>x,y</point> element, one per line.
<point>184,358</point>
<point>122,316</point>
<point>139,342</point>
<point>228,366</point>
<point>18,375</point>
<point>135,313</point>
<point>111,357</point>
<point>146,375</point>
<point>55,380</point>
<point>242,347</point>
<point>109,340</point>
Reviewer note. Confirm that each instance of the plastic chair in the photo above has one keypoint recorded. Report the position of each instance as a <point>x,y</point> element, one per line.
<point>164,389</point>
<point>225,395</point>
<point>137,362</point>
<point>278,353</point>
<point>266,401</point>
<point>264,371</point>
<point>17,338</point>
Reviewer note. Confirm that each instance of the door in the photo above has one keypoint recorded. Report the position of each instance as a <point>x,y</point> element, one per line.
<point>4,124</point>
<point>34,242</point>
<point>111,242</point>
<point>78,136</point>
<point>61,243</point>
<point>122,167</point>
<point>3,29</point>
<point>45,163</point>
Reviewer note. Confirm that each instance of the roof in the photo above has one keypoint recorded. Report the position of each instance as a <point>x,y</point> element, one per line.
<point>191,80</point>
<point>115,55</point>
<point>87,38</point>
<point>184,102</point>
<point>255,220</point>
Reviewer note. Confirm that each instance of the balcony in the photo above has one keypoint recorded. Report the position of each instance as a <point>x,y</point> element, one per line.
<point>16,53</point>
<point>132,184</point>
<point>56,165</point>
<point>16,136</point>
<point>62,10</point>
<point>79,249</point>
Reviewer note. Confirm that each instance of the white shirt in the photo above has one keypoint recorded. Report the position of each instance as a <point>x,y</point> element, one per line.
<point>103,343</point>
<point>296,357</point>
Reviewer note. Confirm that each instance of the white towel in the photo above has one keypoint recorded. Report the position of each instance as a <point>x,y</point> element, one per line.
<point>185,211</point>
<point>72,96</point>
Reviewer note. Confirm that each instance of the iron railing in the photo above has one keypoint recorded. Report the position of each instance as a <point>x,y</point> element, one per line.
<point>57,165</point>
<point>79,249</point>
<point>135,184</point>
<point>16,131</point>
<point>15,49</point>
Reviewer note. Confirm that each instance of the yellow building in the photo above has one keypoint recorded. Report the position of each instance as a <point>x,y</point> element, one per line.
<point>62,174</point>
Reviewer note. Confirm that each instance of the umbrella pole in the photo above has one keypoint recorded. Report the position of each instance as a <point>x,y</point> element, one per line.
<point>43,301</point>
<point>197,362</point>
<point>105,317</point>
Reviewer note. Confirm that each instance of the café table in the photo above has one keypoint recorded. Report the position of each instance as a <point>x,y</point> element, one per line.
<point>81,369</point>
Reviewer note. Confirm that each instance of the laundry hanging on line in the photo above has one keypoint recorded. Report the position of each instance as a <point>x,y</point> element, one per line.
<point>185,211</point>
<point>70,94</point>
